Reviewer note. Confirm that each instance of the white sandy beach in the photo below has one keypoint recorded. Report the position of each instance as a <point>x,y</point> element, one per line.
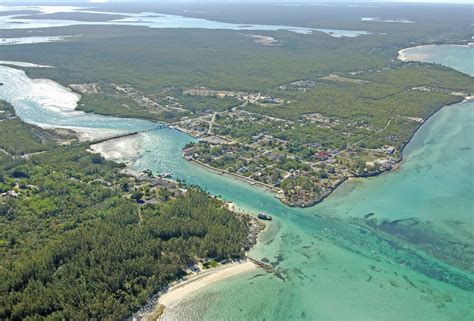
<point>85,134</point>
<point>120,148</point>
<point>233,207</point>
<point>183,289</point>
<point>404,56</point>
<point>31,40</point>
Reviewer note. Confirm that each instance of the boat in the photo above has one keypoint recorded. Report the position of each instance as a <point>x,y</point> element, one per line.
<point>165,175</point>
<point>264,216</point>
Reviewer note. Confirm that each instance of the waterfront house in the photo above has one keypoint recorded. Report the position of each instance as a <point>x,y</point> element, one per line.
<point>322,155</point>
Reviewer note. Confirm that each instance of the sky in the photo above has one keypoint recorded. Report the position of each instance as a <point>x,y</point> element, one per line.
<point>355,1</point>
<point>168,1</point>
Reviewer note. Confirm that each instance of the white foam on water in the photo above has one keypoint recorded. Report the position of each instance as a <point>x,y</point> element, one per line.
<point>42,9</point>
<point>46,103</point>
<point>32,40</point>
<point>22,64</point>
<point>18,87</point>
<point>52,95</point>
<point>373,19</point>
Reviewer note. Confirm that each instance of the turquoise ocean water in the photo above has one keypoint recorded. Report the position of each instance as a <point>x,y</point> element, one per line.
<point>331,269</point>
<point>330,263</point>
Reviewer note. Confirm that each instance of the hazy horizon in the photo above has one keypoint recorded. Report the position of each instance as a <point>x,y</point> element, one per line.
<point>242,1</point>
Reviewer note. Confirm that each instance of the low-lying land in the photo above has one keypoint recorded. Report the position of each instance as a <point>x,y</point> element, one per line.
<point>80,239</point>
<point>357,126</point>
<point>20,139</point>
<point>298,117</point>
<point>195,281</point>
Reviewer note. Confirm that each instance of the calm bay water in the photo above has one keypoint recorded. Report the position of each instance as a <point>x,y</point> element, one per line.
<point>459,57</point>
<point>330,269</point>
<point>436,180</point>
<point>329,265</point>
<point>46,103</point>
<point>147,19</point>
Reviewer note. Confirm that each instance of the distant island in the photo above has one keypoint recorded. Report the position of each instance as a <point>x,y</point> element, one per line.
<point>120,124</point>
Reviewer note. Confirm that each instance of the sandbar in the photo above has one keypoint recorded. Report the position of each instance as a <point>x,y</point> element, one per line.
<point>118,149</point>
<point>176,293</point>
<point>22,64</point>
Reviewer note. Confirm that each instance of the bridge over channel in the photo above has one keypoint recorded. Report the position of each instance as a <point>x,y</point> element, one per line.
<point>105,139</point>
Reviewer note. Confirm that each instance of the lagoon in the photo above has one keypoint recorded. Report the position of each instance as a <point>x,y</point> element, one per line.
<point>329,265</point>
<point>333,273</point>
<point>150,20</point>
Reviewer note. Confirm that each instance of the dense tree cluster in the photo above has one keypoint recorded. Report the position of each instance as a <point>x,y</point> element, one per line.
<point>18,138</point>
<point>72,246</point>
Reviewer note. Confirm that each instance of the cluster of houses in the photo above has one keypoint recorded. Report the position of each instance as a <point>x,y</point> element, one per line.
<point>195,127</point>
<point>269,166</point>
<point>143,187</point>
<point>303,176</point>
<point>265,160</point>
